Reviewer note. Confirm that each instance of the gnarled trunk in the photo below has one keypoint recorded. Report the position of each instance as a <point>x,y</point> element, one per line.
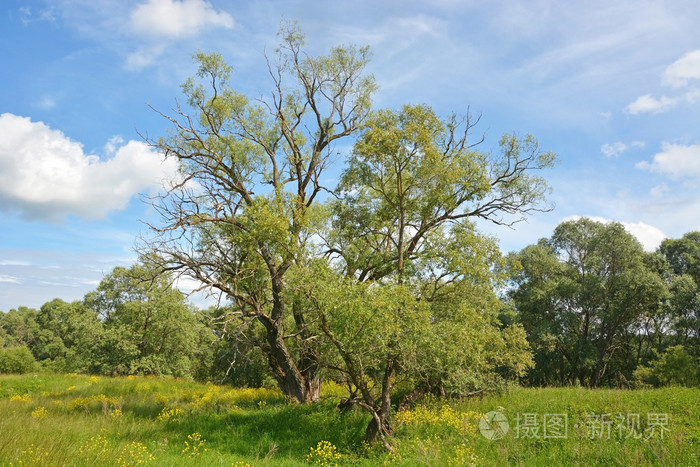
<point>374,431</point>
<point>379,426</point>
<point>304,385</point>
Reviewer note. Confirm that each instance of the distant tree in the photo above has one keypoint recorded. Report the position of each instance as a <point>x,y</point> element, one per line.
<point>683,257</point>
<point>69,336</point>
<point>252,170</point>
<point>20,327</point>
<point>148,327</point>
<point>580,296</point>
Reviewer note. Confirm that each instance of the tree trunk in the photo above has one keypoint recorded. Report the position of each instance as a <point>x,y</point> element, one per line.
<point>379,426</point>
<point>598,372</point>
<point>312,382</point>
<point>308,356</point>
<point>298,381</point>
<point>304,386</point>
<point>373,431</point>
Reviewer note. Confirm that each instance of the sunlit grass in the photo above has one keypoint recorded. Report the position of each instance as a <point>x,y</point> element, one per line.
<point>76,420</point>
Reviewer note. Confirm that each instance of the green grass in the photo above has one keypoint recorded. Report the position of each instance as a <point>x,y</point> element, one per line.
<point>76,420</point>
<point>587,442</point>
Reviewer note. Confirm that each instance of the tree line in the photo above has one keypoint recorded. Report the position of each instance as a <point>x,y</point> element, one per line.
<point>599,310</point>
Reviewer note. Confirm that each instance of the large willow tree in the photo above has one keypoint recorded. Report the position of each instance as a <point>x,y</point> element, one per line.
<point>246,207</point>
<point>385,278</point>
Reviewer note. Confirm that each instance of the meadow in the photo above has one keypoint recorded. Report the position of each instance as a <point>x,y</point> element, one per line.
<point>79,420</point>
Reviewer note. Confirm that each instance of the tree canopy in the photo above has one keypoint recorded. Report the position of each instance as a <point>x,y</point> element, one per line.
<point>581,295</point>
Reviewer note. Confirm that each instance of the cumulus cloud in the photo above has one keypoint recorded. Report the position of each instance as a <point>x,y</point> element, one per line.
<point>159,22</point>
<point>113,144</point>
<point>649,104</point>
<point>45,175</point>
<point>649,236</point>
<point>676,160</point>
<point>680,72</point>
<point>618,147</point>
<point>173,19</point>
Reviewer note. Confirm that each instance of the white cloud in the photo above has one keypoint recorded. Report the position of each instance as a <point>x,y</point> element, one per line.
<point>9,262</point>
<point>27,16</point>
<point>45,175</point>
<point>676,75</point>
<point>680,72</point>
<point>112,145</point>
<point>143,56</point>
<point>649,236</point>
<point>692,95</point>
<point>9,279</point>
<point>46,103</point>
<point>173,19</point>
<point>648,103</point>
<point>618,147</point>
<point>659,190</point>
<point>675,160</point>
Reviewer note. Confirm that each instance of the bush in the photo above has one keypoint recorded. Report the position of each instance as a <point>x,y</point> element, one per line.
<point>674,367</point>
<point>18,360</point>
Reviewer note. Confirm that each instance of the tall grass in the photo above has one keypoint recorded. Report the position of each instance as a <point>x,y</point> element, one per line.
<point>75,420</point>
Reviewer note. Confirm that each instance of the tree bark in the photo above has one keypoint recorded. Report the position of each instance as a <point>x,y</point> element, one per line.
<point>304,386</point>
<point>379,426</point>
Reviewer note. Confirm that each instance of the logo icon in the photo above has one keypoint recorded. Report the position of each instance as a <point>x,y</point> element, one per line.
<point>493,425</point>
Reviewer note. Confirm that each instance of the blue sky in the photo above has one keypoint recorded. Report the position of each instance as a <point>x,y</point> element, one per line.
<point>612,87</point>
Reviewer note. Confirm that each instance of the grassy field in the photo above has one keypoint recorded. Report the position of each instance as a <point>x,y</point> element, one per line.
<point>77,420</point>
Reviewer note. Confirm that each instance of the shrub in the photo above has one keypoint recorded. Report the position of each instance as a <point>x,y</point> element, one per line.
<point>18,360</point>
<point>674,367</point>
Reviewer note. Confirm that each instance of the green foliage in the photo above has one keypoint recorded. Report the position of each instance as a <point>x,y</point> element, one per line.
<point>673,367</point>
<point>683,255</point>
<point>409,290</point>
<point>17,360</point>
<point>683,309</point>
<point>69,337</point>
<point>20,327</point>
<point>258,165</point>
<point>580,295</point>
<point>148,327</point>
